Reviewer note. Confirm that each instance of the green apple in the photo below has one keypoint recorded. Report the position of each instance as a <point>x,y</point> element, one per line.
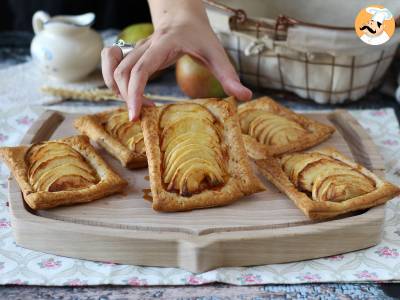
<point>136,32</point>
<point>195,80</point>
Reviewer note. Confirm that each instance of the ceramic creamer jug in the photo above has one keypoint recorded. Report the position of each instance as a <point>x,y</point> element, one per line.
<point>65,47</point>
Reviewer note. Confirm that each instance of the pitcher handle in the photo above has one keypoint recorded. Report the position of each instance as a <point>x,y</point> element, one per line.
<point>38,20</point>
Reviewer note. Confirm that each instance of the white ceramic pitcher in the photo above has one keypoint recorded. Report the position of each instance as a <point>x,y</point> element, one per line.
<point>65,47</point>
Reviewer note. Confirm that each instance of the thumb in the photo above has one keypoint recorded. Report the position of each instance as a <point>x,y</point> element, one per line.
<point>223,70</point>
<point>233,87</point>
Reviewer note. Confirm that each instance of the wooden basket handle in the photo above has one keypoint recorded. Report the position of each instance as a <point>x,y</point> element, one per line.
<point>240,17</point>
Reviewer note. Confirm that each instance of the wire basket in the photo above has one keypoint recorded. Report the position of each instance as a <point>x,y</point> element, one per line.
<point>325,63</point>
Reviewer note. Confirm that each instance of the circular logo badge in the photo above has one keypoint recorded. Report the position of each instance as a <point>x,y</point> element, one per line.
<point>374,25</point>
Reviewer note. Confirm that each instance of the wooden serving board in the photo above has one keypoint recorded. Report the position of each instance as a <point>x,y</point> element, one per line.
<point>259,229</point>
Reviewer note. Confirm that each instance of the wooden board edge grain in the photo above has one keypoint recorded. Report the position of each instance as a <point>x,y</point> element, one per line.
<point>189,252</point>
<point>202,252</point>
<point>43,127</point>
<point>363,148</point>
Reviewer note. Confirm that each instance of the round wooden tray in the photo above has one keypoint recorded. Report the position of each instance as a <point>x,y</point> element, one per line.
<point>260,229</point>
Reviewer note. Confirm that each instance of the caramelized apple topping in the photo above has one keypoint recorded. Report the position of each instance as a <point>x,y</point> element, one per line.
<point>192,151</point>
<point>56,166</point>
<point>127,132</point>
<point>269,128</point>
<point>325,178</point>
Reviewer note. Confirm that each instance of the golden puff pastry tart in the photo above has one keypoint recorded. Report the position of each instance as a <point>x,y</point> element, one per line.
<point>325,183</point>
<point>113,131</point>
<point>61,172</point>
<point>196,155</point>
<point>271,129</point>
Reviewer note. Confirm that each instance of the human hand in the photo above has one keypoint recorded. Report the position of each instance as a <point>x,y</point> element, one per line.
<point>173,37</point>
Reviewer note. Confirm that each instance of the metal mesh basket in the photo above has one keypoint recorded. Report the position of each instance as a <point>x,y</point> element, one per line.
<point>270,54</point>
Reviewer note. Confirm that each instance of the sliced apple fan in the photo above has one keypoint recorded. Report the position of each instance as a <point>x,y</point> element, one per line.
<point>61,172</point>
<point>271,129</point>
<point>196,155</point>
<point>324,183</point>
<point>113,131</point>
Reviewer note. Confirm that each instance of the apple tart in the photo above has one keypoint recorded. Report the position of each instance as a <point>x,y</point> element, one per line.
<point>324,183</point>
<point>196,155</point>
<point>61,172</point>
<point>271,129</point>
<point>113,131</point>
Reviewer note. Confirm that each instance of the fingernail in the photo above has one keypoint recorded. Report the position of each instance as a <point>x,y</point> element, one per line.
<point>130,113</point>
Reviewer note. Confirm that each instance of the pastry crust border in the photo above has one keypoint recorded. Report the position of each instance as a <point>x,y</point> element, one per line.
<point>318,132</point>
<point>319,210</point>
<point>242,180</point>
<point>91,125</point>
<point>110,182</point>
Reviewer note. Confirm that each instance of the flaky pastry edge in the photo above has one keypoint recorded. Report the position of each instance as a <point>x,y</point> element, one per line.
<point>319,210</point>
<point>242,180</point>
<point>110,182</point>
<point>318,132</point>
<point>91,125</point>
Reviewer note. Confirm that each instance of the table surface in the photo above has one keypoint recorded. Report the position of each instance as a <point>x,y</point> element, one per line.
<point>14,49</point>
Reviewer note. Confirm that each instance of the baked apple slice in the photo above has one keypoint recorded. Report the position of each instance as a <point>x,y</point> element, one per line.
<point>189,125</point>
<point>174,113</point>
<point>79,177</point>
<point>113,131</point>
<point>284,133</point>
<point>189,138</point>
<point>268,126</point>
<point>184,151</point>
<point>180,123</point>
<point>265,126</point>
<point>271,129</point>
<point>322,167</point>
<point>61,172</point>
<point>189,177</point>
<point>116,121</point>
<point>293,164</point>
<point>196,155</point>
<point>341,187</point>
<point>179,157</point>
<point>287,137</point>
<point>34,165</point>
<point>54,161</point>
<point>246,117</point>
<point>43,150</point>
<point>120,127</point>
<point>136,143</point>
<point>324,183</point>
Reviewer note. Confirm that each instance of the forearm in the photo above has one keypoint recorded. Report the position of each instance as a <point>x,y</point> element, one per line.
<point>165,12</point>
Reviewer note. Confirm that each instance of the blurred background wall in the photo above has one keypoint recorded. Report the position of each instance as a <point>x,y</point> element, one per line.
<point>17,14</point>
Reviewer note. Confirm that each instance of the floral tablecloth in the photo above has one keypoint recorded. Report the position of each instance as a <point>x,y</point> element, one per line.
<point>379,263</point>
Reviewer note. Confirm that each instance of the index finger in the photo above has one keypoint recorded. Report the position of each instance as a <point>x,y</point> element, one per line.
<point>152,60</point>
<point>110,59</point>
